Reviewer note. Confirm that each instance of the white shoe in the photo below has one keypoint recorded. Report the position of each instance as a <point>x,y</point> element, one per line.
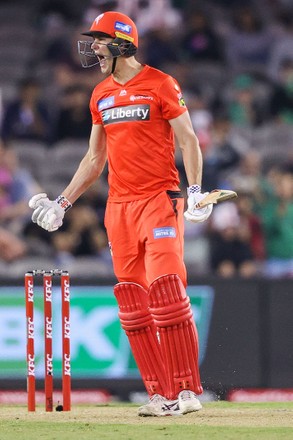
<point>188,402</point>
<point>160,406</point>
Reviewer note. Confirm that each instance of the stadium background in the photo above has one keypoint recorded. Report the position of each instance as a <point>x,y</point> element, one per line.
<point>235,65</point>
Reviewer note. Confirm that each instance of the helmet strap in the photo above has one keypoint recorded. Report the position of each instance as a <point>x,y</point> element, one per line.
<point>114,64</point>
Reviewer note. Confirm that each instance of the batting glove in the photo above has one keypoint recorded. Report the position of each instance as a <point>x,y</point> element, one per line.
<point>49,214</point>
<point>193,214</point>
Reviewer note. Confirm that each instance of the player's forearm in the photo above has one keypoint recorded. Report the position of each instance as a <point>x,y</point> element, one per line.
<point>189,145</point>
<point>87,173</point>
<point>192,160</point>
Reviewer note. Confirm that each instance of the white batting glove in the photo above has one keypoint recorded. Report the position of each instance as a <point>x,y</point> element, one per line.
<point>49,214</point>
<point>37,200</point>
<point>193,214</point>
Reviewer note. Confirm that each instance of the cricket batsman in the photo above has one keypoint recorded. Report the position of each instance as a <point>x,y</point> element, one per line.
<point>137,111</point>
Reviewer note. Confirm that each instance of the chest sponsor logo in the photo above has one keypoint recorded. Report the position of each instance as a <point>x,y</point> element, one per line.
<point>126,114</point>
<point>106,103</point>
<point>140,97</point>
<point>165,232</point>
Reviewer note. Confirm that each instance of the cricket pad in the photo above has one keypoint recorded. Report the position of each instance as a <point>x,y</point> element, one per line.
<point>172,314</point>
<point>140,329</point>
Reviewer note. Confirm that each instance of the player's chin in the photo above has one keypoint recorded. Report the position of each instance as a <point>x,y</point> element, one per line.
<point>105,69</point>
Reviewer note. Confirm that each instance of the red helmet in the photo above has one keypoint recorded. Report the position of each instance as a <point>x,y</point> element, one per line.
<point>116,25</point>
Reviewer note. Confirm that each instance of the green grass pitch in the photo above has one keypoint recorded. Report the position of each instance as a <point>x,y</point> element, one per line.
<point>217,421</point>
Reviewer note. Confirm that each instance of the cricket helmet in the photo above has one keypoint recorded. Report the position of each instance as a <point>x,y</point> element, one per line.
<point>118,26</point>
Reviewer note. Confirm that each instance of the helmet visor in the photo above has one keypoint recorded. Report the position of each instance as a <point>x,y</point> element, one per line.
<point>87,56</point>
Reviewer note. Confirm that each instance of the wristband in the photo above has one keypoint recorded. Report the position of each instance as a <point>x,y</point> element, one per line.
<point>64,203</point>
<point>193,189</point>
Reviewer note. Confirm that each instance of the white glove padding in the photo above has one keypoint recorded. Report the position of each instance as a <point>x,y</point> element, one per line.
<point>47,213</point>
<point>37,200</point>
<point>40,203</point>
<point>193,214</point>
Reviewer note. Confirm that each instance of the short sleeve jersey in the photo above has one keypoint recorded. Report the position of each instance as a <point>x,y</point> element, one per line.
<point>140,140</point>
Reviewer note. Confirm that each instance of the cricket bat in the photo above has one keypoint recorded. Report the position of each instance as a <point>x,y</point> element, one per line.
<point>216,196</point>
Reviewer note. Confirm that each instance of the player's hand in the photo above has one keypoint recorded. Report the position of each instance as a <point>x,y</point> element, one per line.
<point>48,214</point>
<point>193,214</point>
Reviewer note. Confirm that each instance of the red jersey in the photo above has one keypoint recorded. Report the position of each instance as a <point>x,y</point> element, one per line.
<point>140,140</point>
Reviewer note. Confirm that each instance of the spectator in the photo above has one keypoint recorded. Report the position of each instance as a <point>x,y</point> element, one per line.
<point>249,42</point>
<point>16,187</point>
<point>96,197</point>
<point>200,42</point>
<point>74,119</point>
<point>159,48</point>
<point>283,47</point>
<point>251,225</point>
<point>28,117</point>
<point>61,63</point>
<point>243,107</point>
<point>230,248</point>
<point>248,177</point>
<point>277,218</point>
<point>157,14</point>
<point>50,10</point>
<point>149,15</point>
<point>221,155</point>
<point>281,105</point>
<point>80,236</point>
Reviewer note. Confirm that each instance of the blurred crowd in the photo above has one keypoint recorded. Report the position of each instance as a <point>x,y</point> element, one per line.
<point>234,62</point>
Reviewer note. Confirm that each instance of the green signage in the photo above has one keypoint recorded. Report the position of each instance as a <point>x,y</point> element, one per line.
<point>99,347</point>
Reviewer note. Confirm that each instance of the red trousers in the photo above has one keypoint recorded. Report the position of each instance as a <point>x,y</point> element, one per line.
<point>146,238</point>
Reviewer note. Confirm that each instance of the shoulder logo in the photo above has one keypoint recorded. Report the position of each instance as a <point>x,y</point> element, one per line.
<point>181,100</point>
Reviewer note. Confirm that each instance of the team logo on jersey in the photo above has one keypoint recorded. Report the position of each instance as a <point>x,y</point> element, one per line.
<point>139,112</point>
<point>123,92</point>
<point>181,100</point>
<point>106,103</point>
<point>164,232</point>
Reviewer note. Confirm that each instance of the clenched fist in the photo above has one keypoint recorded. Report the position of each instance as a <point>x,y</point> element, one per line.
<point>47,213</point>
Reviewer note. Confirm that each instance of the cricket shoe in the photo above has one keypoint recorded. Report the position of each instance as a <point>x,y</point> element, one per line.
<point>160,406</point>
<point>188,402</point>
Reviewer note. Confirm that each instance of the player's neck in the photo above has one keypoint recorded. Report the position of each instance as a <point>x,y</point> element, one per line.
<point>126,69</point>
